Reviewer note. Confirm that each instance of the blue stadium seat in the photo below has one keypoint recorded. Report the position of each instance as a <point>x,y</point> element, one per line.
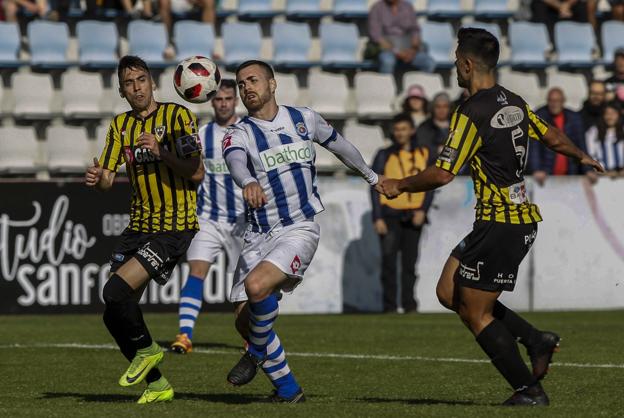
<point>97,44</point>
<point>350,9</point>
<point>241,42</point>
<point>304,9</point>
<point>48,44</point>
<point>148,40</point>
<point>255,9</point>
<point>574,42</point>
<point>291,44</point>
<point>529,44</point>
<point>440,40</point>
<point>9,45</point>
<point>445,9</point>
<point>339,45</point>
<point>612,38</point>
<point>193,38</point>
<point>492,9</point>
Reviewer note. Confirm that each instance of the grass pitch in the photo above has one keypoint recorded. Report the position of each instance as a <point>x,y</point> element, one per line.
<point>425,365</point>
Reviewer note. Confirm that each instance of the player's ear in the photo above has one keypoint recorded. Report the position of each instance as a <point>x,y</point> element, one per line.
<point>272,85</point>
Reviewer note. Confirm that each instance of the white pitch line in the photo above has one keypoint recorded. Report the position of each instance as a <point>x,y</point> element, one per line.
<point>200,350</point>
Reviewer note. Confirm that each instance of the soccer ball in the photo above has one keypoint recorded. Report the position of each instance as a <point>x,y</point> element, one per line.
<point>196,79</point>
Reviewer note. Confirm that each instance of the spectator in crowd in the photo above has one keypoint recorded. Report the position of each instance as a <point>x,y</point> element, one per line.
<point>399,222</point>
<point>550,12</point>
<point>95,8</point>
<point>544,162</point>
<point>615,83</point>
<point>206,8</point>
<point>393,26</point>
<point>433,132</point>
<point>593,106</point>
<point>12,7</point>
<point>415,104</point>
<point>605,140</point>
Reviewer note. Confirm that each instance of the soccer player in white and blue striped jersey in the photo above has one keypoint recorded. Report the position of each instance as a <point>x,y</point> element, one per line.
<point>270,155</point>
<point>221,214</point>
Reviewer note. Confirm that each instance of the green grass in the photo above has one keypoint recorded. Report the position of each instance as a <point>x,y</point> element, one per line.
<point>82,382</point>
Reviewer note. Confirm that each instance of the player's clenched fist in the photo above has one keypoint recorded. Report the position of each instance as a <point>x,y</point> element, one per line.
<point>254,195</point>
<point>390,188</point>
<point>94,173</point>
<point>148,141</point>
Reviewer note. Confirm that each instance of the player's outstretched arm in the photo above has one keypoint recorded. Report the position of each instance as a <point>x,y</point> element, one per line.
<point>429,179</point>
<point>98,177</point>
<point>559,142</point>
<point>351,157</point>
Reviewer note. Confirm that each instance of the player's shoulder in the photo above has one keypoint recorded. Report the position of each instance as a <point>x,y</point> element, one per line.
<point>486,103</point>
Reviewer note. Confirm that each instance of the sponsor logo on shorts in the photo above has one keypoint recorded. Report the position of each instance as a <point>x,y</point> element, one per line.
<point>470,273</point>
<point>448,154</point>
<point>150,256</point>
<point>507,117</point>
<point>501,279</point>
<point>118,257</point>
<point>298,152</point>
<point>529,239</point>
<point>295,265</point>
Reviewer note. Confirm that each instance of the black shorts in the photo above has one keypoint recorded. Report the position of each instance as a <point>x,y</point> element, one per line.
<point>157,252</point>
<point>490,255</point>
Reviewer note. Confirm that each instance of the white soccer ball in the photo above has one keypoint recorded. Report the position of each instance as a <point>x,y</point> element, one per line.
<point>196,79</point>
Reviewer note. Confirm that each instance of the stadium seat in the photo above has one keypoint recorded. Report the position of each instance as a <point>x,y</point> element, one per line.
<point>574,42</point>
<point>524,84</point>
<point>193,38</point>
<point>9,45</point>
<point>432,83</point>
<point>287,89</point>
<point>574,87</point>
<point>241,42</point>
<point>148,40</point>
<point>350,9</point>
<point>375,94</point>
<point>367,139</point>
<point>255,9</point>
<point>492,9</point>
<point>304,9</point>
<point>97,44</point>
<point>612,39</point>
<point>166,93</point>
<point>77,104</point>
<point>529,45</point>
<point>68,149</point>
<point>339,45</point>
<point>33,96</point>
<point>48,43</point>
<point>445,9</point>
<point>329,94</point>
<point>18,150</point>
<point>119,104</point>
<point>440,40</point>
<point>291,44</point>
<point>325,160</point>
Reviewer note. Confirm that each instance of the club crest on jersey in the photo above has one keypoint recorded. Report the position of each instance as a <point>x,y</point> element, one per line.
<point>160,132</point>
<point>295,265</point>
<point>301,129</point>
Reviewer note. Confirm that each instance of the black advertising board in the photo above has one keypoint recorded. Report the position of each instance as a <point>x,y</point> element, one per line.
<point>55,242</point>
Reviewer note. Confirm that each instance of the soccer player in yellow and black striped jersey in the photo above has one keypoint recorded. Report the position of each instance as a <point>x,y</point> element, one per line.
<point>491,132</point>
<point>159,145</point>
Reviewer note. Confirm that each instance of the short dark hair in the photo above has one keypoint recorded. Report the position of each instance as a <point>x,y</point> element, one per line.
<point>403,117</point>
<point>228,83</point>
<point>480,44</point>
<point>130,61</point>
<point>266,67</point>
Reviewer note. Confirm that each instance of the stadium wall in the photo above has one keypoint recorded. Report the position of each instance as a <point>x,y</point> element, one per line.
<point>56,238</point>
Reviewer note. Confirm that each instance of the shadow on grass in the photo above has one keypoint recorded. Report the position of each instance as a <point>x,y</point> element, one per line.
<point>164,343</point>
<point>424,401</point>
<point>227,398</point>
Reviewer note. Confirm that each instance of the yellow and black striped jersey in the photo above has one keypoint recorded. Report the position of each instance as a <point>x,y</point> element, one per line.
<point>161,199</point>
<point>491,130</point>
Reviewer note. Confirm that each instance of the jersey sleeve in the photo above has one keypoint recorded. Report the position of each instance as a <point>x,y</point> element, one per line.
<point>324,133</point>
<point>537,126</point>
<point>234,139</point>
<point>461,145</point>
<point>187,142</point>
<point>111,158</point>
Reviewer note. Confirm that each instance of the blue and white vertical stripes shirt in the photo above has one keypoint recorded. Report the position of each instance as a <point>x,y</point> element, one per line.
<point>608,151</point>
<point>281,157</point>
<point>218,198</point>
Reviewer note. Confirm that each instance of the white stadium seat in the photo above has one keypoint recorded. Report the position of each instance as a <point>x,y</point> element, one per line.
<point>524,84</point>
<point>367,139</point>
<point>574,87</point>
<point>77,104</point>
<point>329,94</point>
<point>33,95</point>
<point>431,83</point>
<point>375,94</point>
<point>68,149</point>
<point>287,89</point>
<point>18,150</point>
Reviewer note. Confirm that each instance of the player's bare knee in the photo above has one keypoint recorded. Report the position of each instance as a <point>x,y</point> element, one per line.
<point>255,288</point>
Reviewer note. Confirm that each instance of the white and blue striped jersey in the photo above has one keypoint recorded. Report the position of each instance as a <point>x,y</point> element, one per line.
<point>218,197</point>
<point>280,155</point>
<point>609,152</point>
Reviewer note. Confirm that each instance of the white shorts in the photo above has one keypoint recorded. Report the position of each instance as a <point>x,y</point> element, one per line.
<point>214,237</point>
<point>290,249</point>
<point>181,6</point>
